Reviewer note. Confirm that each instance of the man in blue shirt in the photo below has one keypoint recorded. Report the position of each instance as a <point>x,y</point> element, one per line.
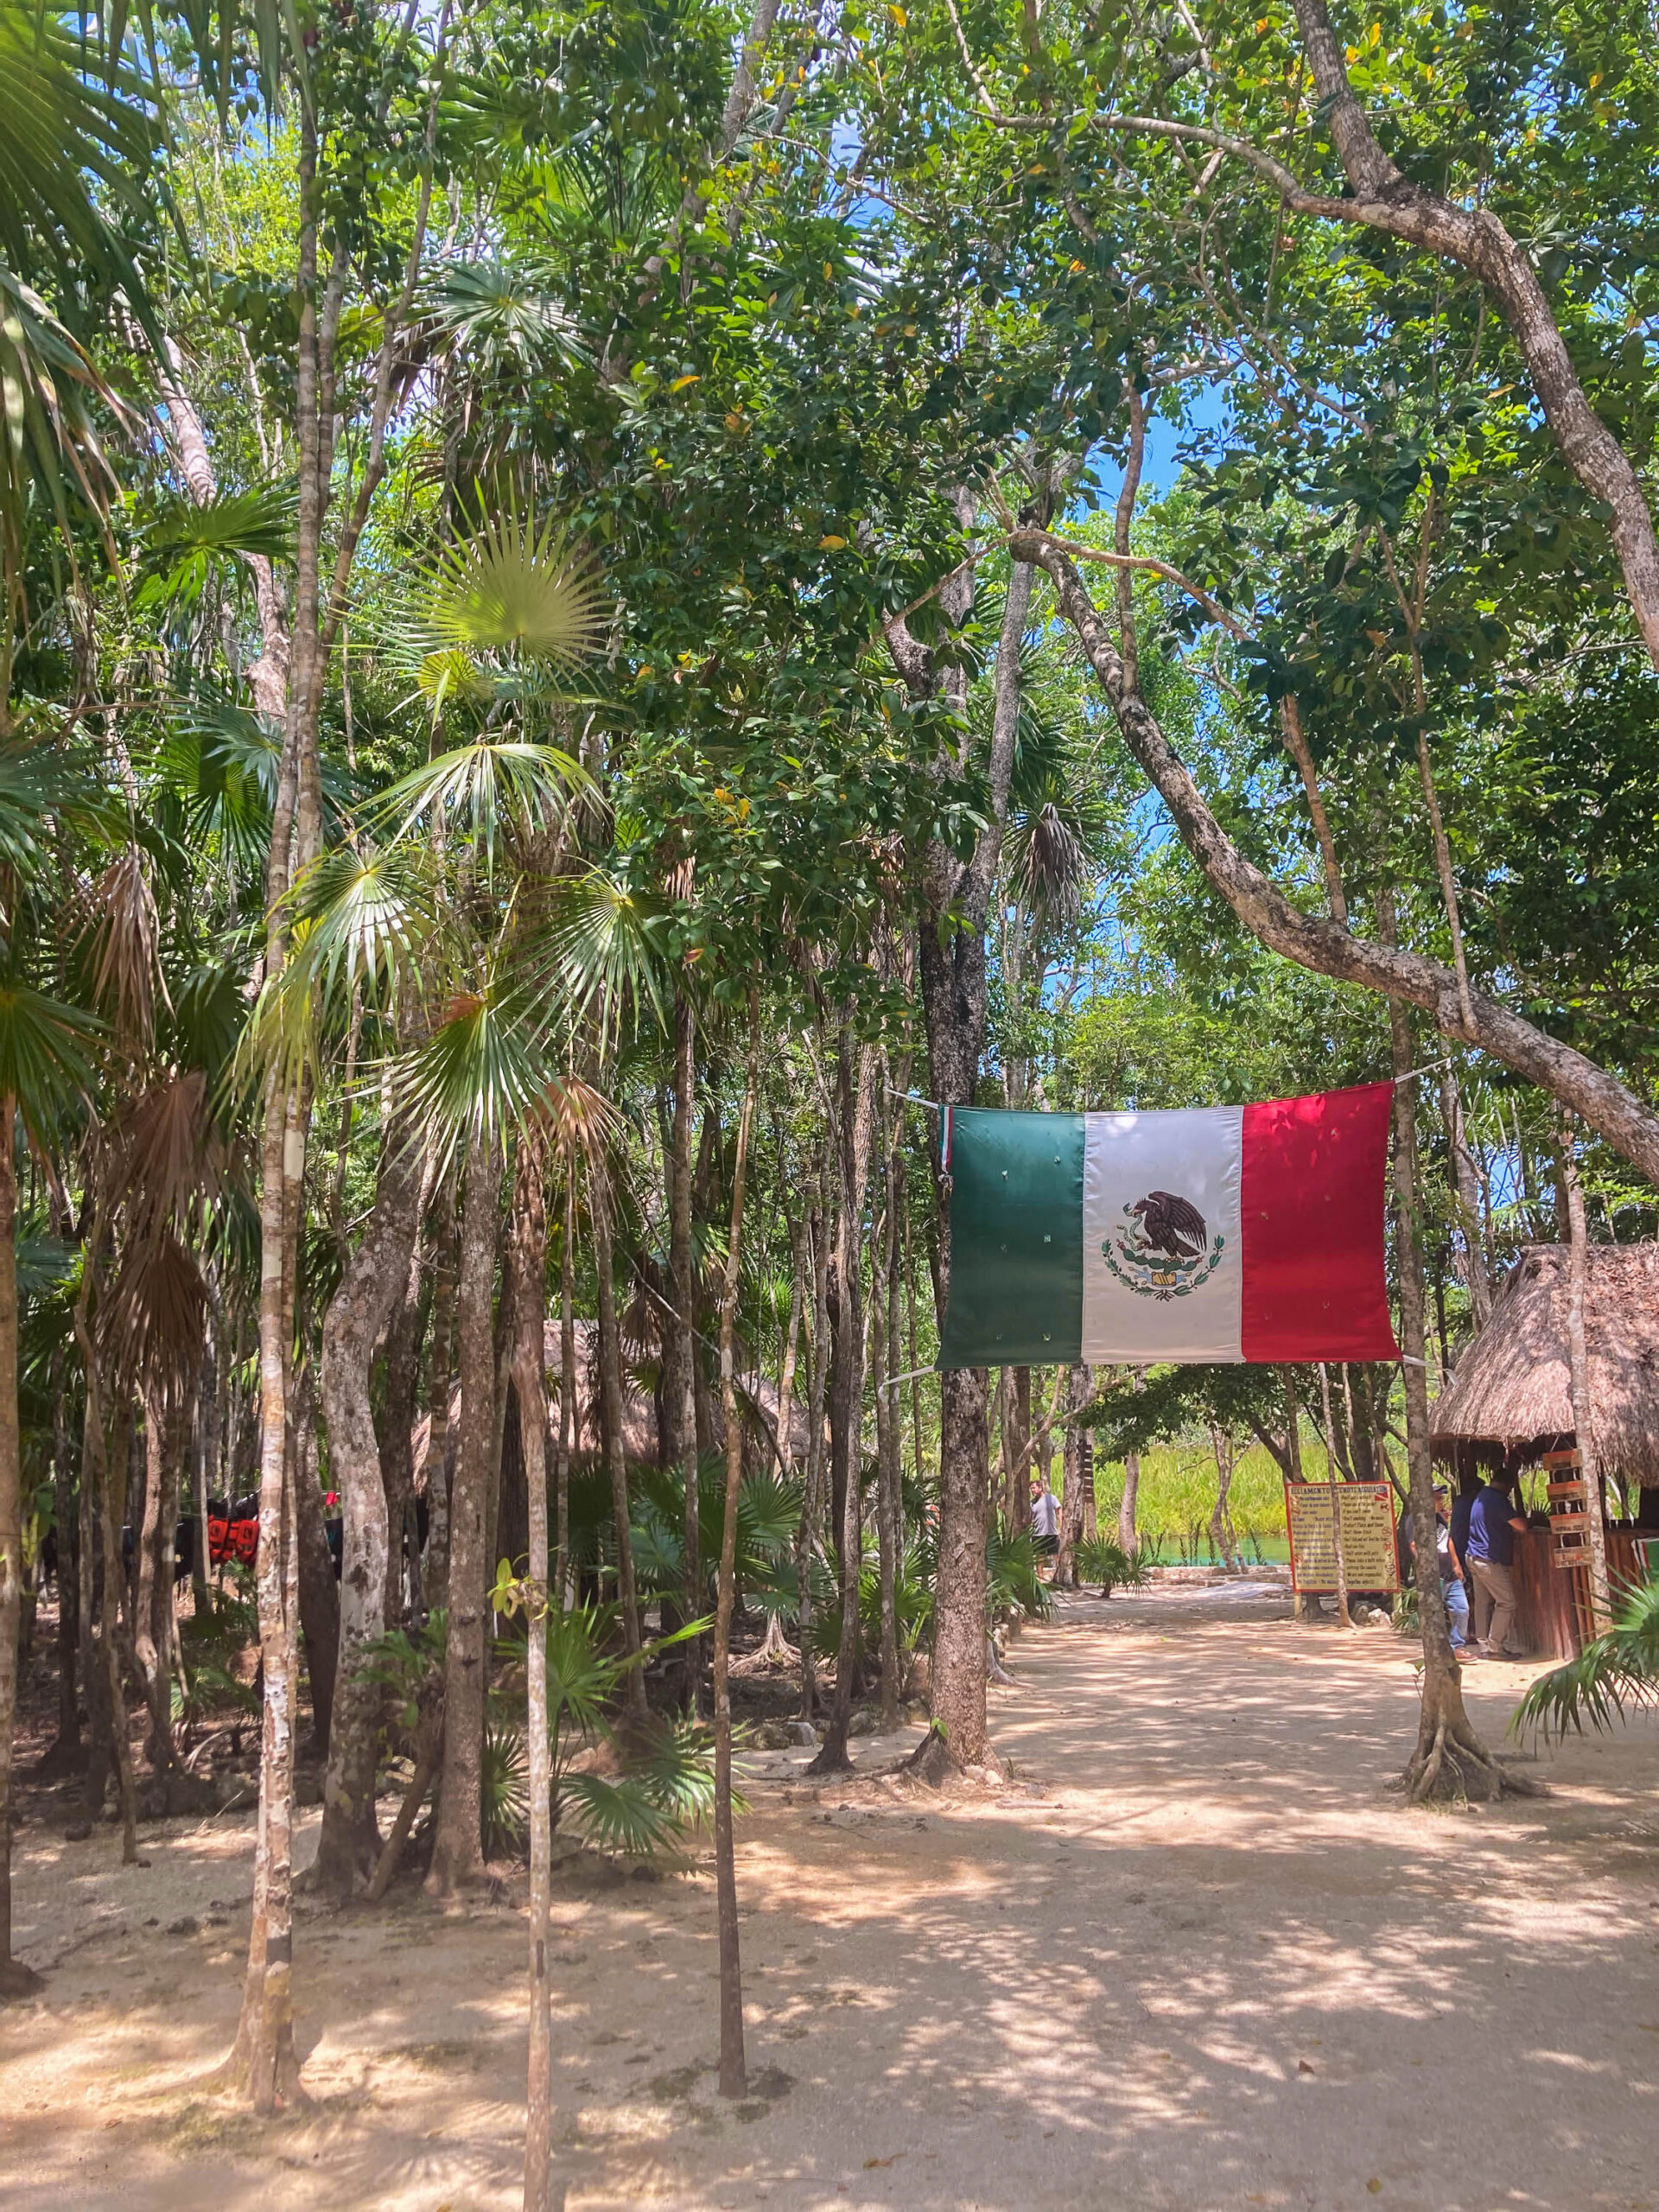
<point>1494,1521</point>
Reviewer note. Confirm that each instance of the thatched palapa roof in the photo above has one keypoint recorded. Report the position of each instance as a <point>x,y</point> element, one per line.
<point>1511,1398</point>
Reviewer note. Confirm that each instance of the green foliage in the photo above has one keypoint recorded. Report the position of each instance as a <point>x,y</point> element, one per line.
<point>1613,1674</point>
<point>1102,1559</point>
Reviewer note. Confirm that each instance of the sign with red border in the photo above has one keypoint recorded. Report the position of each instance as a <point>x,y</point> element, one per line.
<point>1371,1555</point>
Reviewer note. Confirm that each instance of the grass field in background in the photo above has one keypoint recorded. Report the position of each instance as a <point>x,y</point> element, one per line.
<point>1177,1496</point>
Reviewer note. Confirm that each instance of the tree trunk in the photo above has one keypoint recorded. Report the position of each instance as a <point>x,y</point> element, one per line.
<point>457,1855</point>
<point>679,1385</point>
<point>529,1370</point>
<point>733,2077</point>
<point>889,1413</point>
<point>319,1595</point>
<point>610,1383</point>
<point>1465,1184</point>
<point>1128,1536</point>
<point>396,1430</point>
<point>811,1528</point>
<point>1078,1463</point>
<point>952,962</point>
<point>854,1117</point>
<point>1449,1759</point>
<point>567,1382</point>
<point>353,1328</point>
<point>1221,1525</point>
<point>435,1571</point>
<point>1016,1430</point>
<point>1385,200</point>
<point>15,1979</point>
<point>154,1580</point>
<point>1578,1258</point>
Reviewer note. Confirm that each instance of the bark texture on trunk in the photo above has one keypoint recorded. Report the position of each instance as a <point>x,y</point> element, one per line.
<point>1324,946</point>
<point>15,1979</point>
<point>434,1568</point>
<point>457,1854</point>
<point>610,1371</point>
<point>1078,1461</point>
<point>319,1597</point>
<point>733,2077</point>
<point>951,964</point>
<point>854,1122</point>
<point>529,1383</point>
<point>679,1384</point>
<point>1449,1759</point>
<point>1577,1360</point>
<point>353,1328</point>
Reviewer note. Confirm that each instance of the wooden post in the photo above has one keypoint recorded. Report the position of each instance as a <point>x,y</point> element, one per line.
<point>1601,1603</point>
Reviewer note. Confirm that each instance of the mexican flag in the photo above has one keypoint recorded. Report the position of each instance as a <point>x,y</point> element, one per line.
<point>1212,1233</point>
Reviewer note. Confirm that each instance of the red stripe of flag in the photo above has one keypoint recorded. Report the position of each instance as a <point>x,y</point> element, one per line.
<point>1312,1199</point>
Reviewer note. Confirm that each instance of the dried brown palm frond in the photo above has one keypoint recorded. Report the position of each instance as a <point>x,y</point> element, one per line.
<point>153,1325</point>
<point>167,1153</point>
<point>577,1119</point>
<point>124,927</point>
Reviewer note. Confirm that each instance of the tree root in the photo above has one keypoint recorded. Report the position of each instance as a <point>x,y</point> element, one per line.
<point>1456,1769</point>
<point>18,1981</point>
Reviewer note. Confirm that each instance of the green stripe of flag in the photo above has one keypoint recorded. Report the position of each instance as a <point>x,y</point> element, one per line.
<point>1016,1240</point>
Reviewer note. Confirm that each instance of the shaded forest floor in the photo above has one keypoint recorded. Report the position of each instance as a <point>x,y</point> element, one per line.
<point>1193,1955</point>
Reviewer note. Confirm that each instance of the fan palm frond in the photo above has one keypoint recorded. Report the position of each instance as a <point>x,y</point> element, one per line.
<point>512,589</point>
<point>44,1050</point>
<point>601,944</point>
<point>480,790</point>
<point>483,1071</point>
<point>1617,1671</point>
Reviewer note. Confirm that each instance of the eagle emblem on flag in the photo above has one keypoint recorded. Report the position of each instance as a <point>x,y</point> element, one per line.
<point>1164,1248</point>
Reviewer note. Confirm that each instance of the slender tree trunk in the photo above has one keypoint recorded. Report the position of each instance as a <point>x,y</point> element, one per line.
<point>1465,1184</point>
<point>811,1522</point>
<point>457,1854</point>
<point>154,1573</point>
<point>678,1384</point>
<point>1449,1759</point>
<point>855,1115</point>
<point>15,1979</point>
<point>610,1378</point>
<point>1128,1535</point>
<point>435,1573</point>
<point>1577,1258</point>
<point>733,2076</point>
<point>567,1383</point>
<point>319,1601</point>
<point>1078,1461</point>
<point>115,1591</point>
<point>889,1414</point>
<point>529,1378</point>
<point>355,1325</point>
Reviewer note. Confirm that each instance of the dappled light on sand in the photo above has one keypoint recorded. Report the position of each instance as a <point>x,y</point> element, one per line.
<point>1192,1953</point>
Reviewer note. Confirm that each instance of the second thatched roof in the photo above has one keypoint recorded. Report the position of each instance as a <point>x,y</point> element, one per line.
<point>1511,1398</point>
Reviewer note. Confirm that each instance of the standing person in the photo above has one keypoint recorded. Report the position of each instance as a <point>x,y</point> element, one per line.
<point>1045,1518</point>
<point>1493,1524</point>
<point>1469,1489</point>
<point>1454,1585</point>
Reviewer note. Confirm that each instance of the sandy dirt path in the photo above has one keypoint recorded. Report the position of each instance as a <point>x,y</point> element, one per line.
<point>1194,1956</point>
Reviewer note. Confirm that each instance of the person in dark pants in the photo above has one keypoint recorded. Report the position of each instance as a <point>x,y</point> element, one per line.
<point>1493,1525</point>
<point>1469,1489</point>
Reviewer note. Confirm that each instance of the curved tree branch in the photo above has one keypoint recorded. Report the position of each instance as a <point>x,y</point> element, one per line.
<point>1325,946</point>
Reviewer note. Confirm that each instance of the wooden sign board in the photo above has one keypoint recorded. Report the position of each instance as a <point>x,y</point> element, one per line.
<point>1369,1554</point>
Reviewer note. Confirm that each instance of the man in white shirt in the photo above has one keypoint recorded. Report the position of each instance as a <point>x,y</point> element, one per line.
<point>1045,1517</point>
